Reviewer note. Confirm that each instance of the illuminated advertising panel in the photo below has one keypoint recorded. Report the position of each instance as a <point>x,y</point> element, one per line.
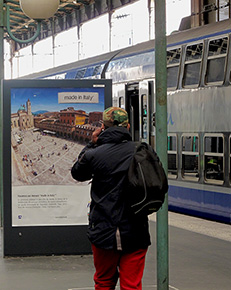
<point>46,125</point>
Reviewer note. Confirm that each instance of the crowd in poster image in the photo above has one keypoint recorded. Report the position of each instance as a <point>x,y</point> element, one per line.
<point>42,158</point>
<point>43,154</point>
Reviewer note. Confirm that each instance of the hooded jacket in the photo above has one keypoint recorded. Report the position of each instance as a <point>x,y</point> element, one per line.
<point>111,224</point>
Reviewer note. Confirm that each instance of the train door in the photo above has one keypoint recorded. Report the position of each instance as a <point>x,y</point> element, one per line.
<point>140,107</point>
<point>119,92</point>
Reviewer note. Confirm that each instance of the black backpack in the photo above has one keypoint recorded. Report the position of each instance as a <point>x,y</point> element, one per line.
<point>147,181</point>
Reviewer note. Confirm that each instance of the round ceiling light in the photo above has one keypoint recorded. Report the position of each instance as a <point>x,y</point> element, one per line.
<point>39,9</point>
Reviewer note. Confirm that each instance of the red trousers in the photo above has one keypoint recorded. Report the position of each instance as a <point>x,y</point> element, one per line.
<point>111,265</point>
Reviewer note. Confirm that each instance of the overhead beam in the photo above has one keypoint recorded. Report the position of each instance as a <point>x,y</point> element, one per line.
<point>69,14</point>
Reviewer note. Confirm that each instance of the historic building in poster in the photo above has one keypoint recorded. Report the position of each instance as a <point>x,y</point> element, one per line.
<point>71,116</point>
<point>24,118</point>
<point>69,123</point>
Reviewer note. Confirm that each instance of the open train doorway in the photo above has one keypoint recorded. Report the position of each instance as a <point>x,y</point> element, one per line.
<point>132,107</point>
<point>140,107</point>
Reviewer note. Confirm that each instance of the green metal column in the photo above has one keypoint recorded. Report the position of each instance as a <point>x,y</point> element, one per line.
<point>1,103</point>
<point>161,139</point>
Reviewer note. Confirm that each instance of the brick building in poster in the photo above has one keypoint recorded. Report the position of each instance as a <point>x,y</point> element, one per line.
<point>69,123</point>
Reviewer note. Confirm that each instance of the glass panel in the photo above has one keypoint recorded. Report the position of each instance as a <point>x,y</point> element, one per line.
<point>215,70</point>
<point>89,72</point>
<point>171,143</point>
<point>214,167</point>
<point>194,52</point>
<point>214,144</point>
<point>121,102</point>
<point>190,143</point>
<point>144,116</point>
<point>218,46</point>
<point>230,158</point>
<point>223,9</point>
<point>172,76</point>
<point>71,74</point>
<point>97,70</point>
<point>172,157</point>
<point>190,166</point>
<point>191,74</point>
<point>80,73</point>
<point>132,61</point>
<point>173,56</point>
<point>172,168</point>
<point>230,145</point>
<point>214,159</point>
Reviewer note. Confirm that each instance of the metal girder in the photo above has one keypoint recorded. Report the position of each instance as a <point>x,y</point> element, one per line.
<point>69,14</point>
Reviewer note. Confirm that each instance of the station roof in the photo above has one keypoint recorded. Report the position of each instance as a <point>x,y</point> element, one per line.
<point>70,13</point>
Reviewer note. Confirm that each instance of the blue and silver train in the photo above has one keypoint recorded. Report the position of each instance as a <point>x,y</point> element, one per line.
<point>199,110</point>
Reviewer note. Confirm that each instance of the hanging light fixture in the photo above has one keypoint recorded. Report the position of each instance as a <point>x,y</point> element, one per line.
<point>39,9</point>
<point>35,9</point>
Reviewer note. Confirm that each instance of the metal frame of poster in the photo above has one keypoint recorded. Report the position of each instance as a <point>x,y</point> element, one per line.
<point>46,123</point>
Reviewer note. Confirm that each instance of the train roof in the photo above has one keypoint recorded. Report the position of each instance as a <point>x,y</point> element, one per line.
<point>202,32</point>
<point>100,59</point>
<point>183,37</point>
<point>177,38</point>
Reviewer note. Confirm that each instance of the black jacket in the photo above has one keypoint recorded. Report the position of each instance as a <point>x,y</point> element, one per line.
<point>106,164</point>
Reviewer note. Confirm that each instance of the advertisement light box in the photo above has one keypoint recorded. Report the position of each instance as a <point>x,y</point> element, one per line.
<point>46,125</point>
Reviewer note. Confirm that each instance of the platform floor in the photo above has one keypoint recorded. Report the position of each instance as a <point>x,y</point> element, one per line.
<point>199,259</point>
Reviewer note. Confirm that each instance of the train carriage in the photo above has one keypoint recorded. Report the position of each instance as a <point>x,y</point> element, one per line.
<point>199,104</point>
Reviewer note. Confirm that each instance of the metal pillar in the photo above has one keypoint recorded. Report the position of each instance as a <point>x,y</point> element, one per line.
<point>5,23</point>
<point>161,139</point>
<point>1,104</point>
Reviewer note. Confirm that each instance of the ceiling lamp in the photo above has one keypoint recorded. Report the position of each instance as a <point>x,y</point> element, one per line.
<point>39,9</point>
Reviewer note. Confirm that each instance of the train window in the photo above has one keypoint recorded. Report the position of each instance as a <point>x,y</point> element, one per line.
<point>229,159</point>
<point>192,64</point>
<point>223,9</point>
<point>89,72</point>
<point>218,46</point>
<point>172,76</point>
<point>190,156</point>
<point>132,61</point>
<point>216,60</point>
<point>173,61</point>
<point>140,60</point>
<point>69,75</point>
<point>214,158</point>
<point>121,102</point>
<point>97,70</point>
<point>144,116</point>
<point>80,73</point>
<point>173,56</point>
<point>194,52</point>
<point>172,156</point>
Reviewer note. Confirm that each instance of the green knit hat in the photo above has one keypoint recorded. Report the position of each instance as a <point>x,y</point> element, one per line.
<point>115,116</point>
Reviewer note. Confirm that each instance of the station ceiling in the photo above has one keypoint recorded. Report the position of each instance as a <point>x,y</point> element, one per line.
<point>69,14</point>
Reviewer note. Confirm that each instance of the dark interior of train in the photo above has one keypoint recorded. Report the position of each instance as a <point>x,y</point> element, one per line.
<point>132,106</point>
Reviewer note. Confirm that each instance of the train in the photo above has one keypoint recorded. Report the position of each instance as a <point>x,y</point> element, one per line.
<point>198,110</point>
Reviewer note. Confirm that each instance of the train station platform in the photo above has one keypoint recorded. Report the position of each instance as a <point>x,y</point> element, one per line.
<point>199,259</point>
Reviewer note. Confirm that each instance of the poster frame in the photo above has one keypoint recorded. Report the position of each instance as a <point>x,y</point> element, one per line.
<point>40,240</point>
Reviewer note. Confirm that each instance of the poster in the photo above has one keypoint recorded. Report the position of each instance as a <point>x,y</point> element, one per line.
<point>49,128</point>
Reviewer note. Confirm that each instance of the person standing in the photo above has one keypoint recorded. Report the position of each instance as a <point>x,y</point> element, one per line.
<point>119,239</point>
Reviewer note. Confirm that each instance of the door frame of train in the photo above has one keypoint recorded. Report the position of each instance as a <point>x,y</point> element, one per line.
<point>146,88</point>
<point>119,95</point>
<point>122,98</point>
